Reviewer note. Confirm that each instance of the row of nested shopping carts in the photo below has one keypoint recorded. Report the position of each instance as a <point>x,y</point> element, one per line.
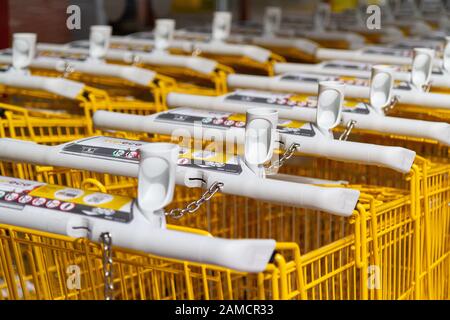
<point>199,164</point>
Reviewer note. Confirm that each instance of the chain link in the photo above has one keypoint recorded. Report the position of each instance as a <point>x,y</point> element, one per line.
<point>285,157</point>
<point>106,241</point>
<point>348,129</point>
<point>68,69</point>
<point>195,205</point>
<point>426,87</point>
<point>392,104</point>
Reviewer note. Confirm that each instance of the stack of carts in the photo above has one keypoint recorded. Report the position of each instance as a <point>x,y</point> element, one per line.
<point>232,162</point>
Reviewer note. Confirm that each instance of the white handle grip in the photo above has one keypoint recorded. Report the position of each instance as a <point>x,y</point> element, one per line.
<point>396,158</point>
<point>409,127</point>
<point>62,87</point>
<point>250,255</point>
<point>337,201</point>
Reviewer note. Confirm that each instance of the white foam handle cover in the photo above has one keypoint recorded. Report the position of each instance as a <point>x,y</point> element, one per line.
<point>437,80</point>
<point>197,64</point>
<point>221,48</point>
<point>423,99</point>
<point>399,159</point>
<point>439,131</point>
<point>396,158</point>
<point>62,87</point>
<point>249,255</point>
<point>133,74</point>
<point>357,55</point>
<point>338,201</point>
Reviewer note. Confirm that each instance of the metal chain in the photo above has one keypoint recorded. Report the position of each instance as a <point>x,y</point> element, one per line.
<point>348,129</point>
<point>426,87</point>
<point>195,205</point>
<point>285,157</point>
<point>392,104</point>
<point>106,241</point>
<point>68,69</point>
<point>135,60</point>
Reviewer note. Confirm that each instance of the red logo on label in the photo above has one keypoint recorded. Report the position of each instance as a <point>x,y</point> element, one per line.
<point>38,202</point>
<point>11,197</point>
<point>25,199</point>
<point>67,206</point>
<point>53,204</point>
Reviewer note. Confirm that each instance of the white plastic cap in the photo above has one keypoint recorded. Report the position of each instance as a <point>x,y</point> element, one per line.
<point>156,179</point>
<point>24,49</point>
<point>99,41</point>
<point>322,16</point>
<point>260,134</point>
<point>272,20</point>
<point>221,25</point>
<point>164,30</point>
<point>421,67</point>
<point>329,106</point>
<point>446,55</point>
<point>381,85</point>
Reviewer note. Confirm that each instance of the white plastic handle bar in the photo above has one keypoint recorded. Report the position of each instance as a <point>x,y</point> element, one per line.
<point>243,255</point>
<point>62,87</point>
<point>396,158</point>
<point>358,55</point>
<point>223,48</point>
<point>198,64</point>
<point>99,39</point>
<point>439,131</point>
<point>437,80</point>
<point>338,201</point>
<point>411,97</point>
<point>421,67</point>
<point>381,83</point>
<point>24,50</point>
<point>133,74</point>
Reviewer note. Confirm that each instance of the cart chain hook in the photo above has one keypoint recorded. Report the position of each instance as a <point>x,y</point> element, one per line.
<point>135,59</point>
<point>195,205</point>
<point>68,69</point>
<point>348,129</point>
<point>106,241</point>
<point>285,157</point>
<point>392,104</point>
<point>426,87</point>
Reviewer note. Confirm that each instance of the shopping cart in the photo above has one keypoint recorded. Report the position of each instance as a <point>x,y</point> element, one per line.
<point>400,208</point>
<point>115,85</point>
<point>235,53</point>
<point>336,250</point>
<point>195,74</point>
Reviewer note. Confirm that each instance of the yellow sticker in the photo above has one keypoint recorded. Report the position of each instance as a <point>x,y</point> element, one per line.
<point>83,197</point>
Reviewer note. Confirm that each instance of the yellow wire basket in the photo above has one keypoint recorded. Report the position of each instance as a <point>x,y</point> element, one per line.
<point>243,64</point>
<point>86,103</point>
<point>384,233</point>
<point>119,89</point>
<point>37,265</point>
<point>41,126</point>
